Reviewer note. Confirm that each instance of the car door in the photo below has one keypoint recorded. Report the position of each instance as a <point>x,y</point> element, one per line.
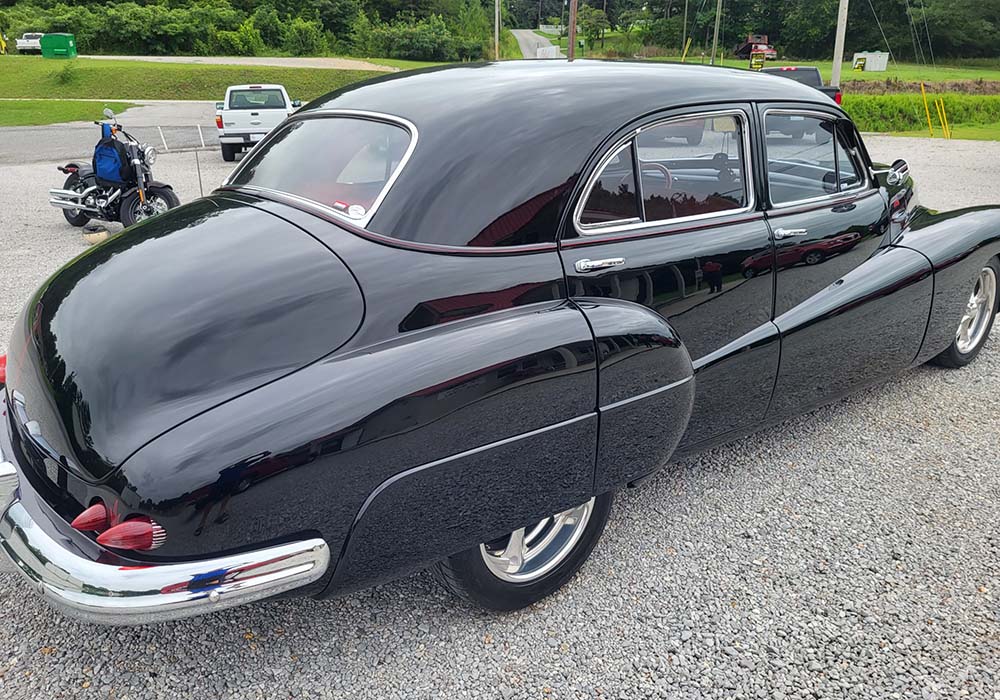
<point>847,307</point>
<point>668,219</point>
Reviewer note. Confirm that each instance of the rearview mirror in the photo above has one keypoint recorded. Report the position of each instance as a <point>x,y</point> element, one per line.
<point>898,172</point>
<point>108,114</point>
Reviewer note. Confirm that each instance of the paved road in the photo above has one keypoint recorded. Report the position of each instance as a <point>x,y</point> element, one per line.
<point>284,61</point>
<point>154,122</point>
<point>529,42</point>
<point>850,553</point>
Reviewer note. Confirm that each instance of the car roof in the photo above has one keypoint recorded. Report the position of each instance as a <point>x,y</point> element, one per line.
<point>522,131</point>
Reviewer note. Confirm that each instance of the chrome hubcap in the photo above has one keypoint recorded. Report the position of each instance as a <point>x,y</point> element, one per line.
<point>529,553</point>
<point>978,312</point>
<point>153,206</point>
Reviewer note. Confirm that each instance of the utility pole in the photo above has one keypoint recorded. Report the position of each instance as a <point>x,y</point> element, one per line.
<point>838,44</point>
<point>684,31</point>
<point>715,37</point>
<point>571,47</point>
<point>496,30</point>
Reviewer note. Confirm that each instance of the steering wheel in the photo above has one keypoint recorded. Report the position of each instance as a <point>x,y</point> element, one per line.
<point>658,167</point>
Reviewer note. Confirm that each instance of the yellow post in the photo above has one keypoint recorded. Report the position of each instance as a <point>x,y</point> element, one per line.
<point>939,104</point>
<point>927,109</point>
<point>944,113</point>
<point>686,47</point>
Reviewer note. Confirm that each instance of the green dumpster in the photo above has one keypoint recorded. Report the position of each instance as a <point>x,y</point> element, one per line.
<point>58,46</point>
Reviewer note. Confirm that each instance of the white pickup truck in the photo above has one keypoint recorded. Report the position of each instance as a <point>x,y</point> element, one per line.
<point>248,113</point>
<point>30,42</point>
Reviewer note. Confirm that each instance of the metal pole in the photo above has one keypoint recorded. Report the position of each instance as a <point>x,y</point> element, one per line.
<point>715,36</point>
<point>571,48</point>
<point>684,31</point>
<point>838,44</point>
<point>496,30</point>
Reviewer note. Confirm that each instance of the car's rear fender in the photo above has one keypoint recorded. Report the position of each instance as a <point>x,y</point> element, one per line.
<point>958,244</point>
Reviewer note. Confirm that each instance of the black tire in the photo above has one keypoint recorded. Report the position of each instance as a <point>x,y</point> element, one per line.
<point>467,576</point>
<point>813,258</point>
<point>749,273</point>
<point>953,357</point>
<point>78,218</point>
<point>229,152</point>
<point>129,212</point>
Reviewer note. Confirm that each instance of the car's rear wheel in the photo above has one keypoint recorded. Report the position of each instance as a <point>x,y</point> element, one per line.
<point>521,568</point>
<point>977,320</point>
<point>229,152</point>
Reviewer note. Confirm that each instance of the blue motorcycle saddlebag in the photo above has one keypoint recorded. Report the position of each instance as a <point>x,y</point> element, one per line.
<point>110,159</point>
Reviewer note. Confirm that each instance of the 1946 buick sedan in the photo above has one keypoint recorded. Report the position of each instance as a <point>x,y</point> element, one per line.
<point>439,318</point>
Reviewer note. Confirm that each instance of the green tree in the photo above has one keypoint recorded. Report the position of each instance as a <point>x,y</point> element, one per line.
<point>304,38</point>
<point>593,23</point>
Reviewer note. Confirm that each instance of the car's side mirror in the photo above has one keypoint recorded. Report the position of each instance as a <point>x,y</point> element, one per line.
<point>897,173</point>
<point>220,105</point>
<point>296,103</point>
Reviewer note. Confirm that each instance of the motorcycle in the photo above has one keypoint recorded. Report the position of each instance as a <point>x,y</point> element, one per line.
<point>117,185</point>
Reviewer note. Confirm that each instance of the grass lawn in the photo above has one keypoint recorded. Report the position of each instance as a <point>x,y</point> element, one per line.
<point>971,132</point>
<point>33,76</point>
<point>400,63</point>
<point>34,112</point>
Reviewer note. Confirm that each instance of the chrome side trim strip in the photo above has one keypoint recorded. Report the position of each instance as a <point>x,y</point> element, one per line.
<point>461,455</point>
<point>646,395</point>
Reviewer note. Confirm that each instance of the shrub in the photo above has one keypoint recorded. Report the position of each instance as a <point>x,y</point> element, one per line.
<point>245,41</point>
<point>304,38</point>
<point>425,40</point>
<point>269,24</point>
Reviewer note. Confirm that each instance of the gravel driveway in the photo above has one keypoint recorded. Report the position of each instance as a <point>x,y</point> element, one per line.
<point>854,552</point>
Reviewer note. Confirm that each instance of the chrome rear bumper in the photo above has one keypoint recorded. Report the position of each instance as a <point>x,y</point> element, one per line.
<point>119,595</point>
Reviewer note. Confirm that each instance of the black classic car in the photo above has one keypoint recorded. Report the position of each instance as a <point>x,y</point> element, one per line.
<point>438,318</point>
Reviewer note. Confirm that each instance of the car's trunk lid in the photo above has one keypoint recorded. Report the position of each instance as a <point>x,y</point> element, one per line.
<point>169,319</point>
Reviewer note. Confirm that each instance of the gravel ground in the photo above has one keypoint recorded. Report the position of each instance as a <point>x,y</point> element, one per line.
<point>854,552</point>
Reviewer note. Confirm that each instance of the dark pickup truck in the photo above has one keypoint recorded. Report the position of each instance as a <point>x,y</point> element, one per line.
<point>807,75</point>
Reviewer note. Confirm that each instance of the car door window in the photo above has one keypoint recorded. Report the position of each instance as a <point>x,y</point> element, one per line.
<point>808,157</point>
<point>849,173</point>
<point>613,197</point>
<point>690,166</point>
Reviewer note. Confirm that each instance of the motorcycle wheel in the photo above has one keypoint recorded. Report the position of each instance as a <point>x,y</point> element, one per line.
<point>158,200</point>
<point>75,217</point>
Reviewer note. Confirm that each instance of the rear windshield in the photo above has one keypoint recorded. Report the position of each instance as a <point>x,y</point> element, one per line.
<point>806,76</point>
<point>269,98</point>
<point>344,163</point>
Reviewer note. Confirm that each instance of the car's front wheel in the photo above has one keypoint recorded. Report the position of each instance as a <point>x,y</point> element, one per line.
<point>521,568</point>
<point>977,320</point>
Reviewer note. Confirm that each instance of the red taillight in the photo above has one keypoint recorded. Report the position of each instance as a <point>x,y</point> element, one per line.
<point>3,369</point>
<point>839,97</point>
<point>94,519</point>
<point>218,121</point>
<point>140,534</point>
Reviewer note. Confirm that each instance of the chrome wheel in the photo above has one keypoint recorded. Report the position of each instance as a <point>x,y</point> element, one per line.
<point>978,312</point>
<point>154,205</point>
<point>529,553</point>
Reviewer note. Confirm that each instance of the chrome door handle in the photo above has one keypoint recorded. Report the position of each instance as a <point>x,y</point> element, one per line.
<point>780,233</point>
<point>588,265</point>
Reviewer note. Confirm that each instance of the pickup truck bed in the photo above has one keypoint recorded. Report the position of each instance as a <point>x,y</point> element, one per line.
<point>807,75</point>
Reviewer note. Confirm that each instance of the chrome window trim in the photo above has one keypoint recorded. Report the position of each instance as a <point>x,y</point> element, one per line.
<point>863,169</point>
<point>625,225</point>
<point>362,221</point>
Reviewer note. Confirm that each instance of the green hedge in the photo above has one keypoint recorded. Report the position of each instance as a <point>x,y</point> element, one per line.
<point>906,112</point>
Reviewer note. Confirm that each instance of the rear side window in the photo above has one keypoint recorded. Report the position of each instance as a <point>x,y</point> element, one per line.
<point>807,158</point>
<point>265,98</point>
<point>687,167</point>
<point>344,163</point>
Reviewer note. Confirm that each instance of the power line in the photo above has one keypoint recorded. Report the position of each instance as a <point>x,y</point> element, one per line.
<point>930,49</point>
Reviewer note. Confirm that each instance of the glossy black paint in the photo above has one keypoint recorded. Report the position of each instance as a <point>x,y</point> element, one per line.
<point>469,389</point>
